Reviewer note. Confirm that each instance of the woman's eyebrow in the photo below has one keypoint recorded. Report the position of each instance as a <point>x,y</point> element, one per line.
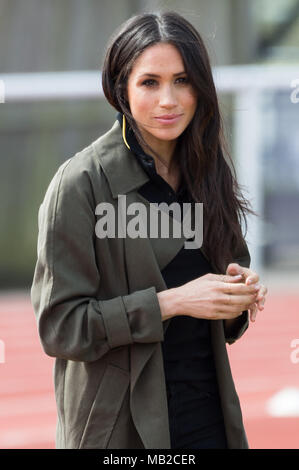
<point>153,75</point>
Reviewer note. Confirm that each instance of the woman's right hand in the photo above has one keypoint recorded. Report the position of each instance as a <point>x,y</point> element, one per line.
<point>211,297</point>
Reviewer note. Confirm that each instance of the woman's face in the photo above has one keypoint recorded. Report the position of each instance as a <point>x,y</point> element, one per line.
<point>161,99</point>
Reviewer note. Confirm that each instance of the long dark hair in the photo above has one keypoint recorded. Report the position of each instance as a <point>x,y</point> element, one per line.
<point>200,149</point>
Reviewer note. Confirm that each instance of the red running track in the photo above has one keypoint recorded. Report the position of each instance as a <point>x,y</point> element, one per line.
<point>260,362</point>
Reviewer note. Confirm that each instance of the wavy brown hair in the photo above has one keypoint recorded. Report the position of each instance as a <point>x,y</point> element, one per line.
<point>201,151</point>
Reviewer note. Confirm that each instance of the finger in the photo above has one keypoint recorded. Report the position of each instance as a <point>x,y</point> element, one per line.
<point>262,291</point>
<point>242,302</point>
<point>260,304</point>
<point>252,278</point>
<point>253,312</point>
<point>225,278</point>
<point>233,268</point>
<point>248,275</point>
<point>261,298</point>
<point>228,278</point>
<point>240,288</point>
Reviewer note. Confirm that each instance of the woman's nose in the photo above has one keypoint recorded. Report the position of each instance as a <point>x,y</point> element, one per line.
<point>168,98</point>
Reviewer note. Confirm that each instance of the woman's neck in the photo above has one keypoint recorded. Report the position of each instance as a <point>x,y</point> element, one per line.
<point>165,166</point>
<point>164,148</point>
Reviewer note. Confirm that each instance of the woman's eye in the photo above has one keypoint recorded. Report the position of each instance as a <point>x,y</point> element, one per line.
<point>182,80</point>
<point>150,82</point>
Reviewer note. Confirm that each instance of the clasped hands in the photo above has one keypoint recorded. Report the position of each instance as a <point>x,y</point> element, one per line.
<point>216,296</point>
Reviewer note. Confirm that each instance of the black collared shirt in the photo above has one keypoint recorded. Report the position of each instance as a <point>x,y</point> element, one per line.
<point>187,349</point>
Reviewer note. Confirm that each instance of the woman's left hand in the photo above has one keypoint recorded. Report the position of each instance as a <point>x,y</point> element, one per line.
<point>250,277</point>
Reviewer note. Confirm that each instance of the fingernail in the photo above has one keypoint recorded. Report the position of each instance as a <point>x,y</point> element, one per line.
<point>237,276</point>
<point>250,281</point>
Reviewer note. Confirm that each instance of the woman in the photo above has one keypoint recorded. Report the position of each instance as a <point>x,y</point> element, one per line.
<point>138,323</point>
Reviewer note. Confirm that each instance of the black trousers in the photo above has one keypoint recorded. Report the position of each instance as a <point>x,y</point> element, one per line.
<point>195,416</point>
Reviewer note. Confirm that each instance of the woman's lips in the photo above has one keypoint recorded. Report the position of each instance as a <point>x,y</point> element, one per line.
<point>168,118</point>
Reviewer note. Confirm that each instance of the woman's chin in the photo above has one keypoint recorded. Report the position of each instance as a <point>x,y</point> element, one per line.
<point>167,134</point>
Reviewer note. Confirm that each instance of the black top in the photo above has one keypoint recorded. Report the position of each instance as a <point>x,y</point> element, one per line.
<point>187,350</point>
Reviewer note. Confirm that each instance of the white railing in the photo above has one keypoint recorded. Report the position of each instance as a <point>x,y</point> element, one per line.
<point>49,86</point>
<point>246,83</point>
<point>21,87</point>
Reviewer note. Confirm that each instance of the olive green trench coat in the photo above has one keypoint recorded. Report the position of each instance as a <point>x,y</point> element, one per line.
<point>95,301</point>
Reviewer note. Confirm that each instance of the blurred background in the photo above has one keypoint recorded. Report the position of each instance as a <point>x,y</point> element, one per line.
<point>51,106</point>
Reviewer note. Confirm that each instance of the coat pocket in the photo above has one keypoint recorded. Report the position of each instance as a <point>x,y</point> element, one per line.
<point>105,408</point>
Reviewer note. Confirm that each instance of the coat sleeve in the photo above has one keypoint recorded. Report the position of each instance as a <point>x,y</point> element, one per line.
<point>72,323</point>
<point>241,323</point>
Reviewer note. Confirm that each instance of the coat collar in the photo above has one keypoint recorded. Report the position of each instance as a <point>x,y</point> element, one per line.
<point>123,172</point>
